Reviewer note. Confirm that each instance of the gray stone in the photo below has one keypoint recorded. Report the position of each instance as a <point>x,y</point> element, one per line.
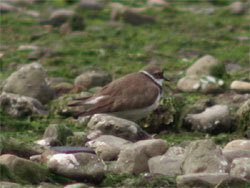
<point>204,156</point>
<point>6,8</point>
<point>230,155</point>
<point>158,3</point>
<point>78,166</point>
<point>238,145</point>
<point>135,18</point>
<point>63,88</point>
<point>21,106</point>
<point>175,151</point>
<point>107,147</point>
<point>77,185</point>
<point>90,5</point>
<point>102,124</point>
<point>6,184</point>
<point>207,65</point>
<point>133,159</point>
<point>9,145</point>
<point>205,180</point>
<point>55,135</point>
<point>243,112</point>
<point>240,168</point>
<point>31,81</point>
<point>168,166</point>
<point>26,170</point>
<point>203,84</point>
<point>58,17</point>
<point>213,120</point>
<point>93,78</point>
<point>237,8</point>
<point>28,47</point>
<point>240,86</point>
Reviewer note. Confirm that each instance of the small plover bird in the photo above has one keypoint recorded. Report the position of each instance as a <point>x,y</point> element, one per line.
<point>131,97</point>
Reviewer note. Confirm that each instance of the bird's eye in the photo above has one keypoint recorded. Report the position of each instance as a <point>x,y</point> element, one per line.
<point>159,75</point>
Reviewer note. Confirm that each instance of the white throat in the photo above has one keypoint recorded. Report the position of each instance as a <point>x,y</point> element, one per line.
<point>157,81</point>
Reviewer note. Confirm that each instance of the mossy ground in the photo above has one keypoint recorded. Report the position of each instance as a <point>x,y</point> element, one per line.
<point>174,42</point>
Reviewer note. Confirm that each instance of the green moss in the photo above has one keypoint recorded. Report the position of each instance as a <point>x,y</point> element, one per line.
<point>8,175</point>
<point>142,180</point>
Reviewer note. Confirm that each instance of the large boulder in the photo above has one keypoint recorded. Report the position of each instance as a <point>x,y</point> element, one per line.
<point>214,119</point>
<point>78,166</point>
<point>203,156</point>
<point>107,147</point>
<point>26,170</point>
<point>102,124</point>
<point>133,159</point>
<point>31,81</point>
<point>21,106</point>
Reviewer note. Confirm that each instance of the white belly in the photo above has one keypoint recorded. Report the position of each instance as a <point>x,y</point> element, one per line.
<point>138,113</point>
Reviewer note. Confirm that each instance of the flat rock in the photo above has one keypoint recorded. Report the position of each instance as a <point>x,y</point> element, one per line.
<point>92,79</point>
<point>240,86</point>
<point>78,166</point>
<point>133,159</point>
<point>240,168</point>
<point>102,124</point>
<point>25,169</point>
<point>21,106</point>
<point>214,119</point>
<point>107,147</point>
<point>207,65</point>
<point>203,156</point>
<point>202,179</point>
<point>203,84</point>
<point>238,145</point>
<point>31,81</point>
